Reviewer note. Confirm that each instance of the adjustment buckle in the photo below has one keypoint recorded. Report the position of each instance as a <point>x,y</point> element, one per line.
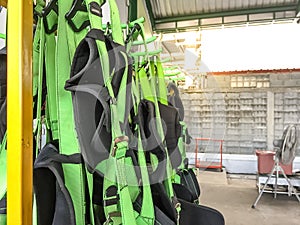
<point>96,9</point>
<point>117,141</point>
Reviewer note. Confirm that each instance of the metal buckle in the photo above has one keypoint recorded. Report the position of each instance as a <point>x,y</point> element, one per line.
<point>116,141</point>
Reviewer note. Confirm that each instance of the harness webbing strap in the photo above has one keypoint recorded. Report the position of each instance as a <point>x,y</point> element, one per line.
<point>35,53</point>
<point>147,207</point>
<point>120,148</point>
<point>168,182</point>
<point>160,78</point>
<point>67,135</point>
<point>3,167</point>
<point>51,84</point>
<point>145,86</point>
<point>116,23</point>
<point>38,128</point>
<point>181,144</point>
<point>149,84</point>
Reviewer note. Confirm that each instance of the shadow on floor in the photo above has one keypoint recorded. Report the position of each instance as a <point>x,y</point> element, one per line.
<point>234,197</point>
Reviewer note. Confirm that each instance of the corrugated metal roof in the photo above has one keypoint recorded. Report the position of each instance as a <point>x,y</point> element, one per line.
<point>171,8</point>
<point>178,15</point>
<point>265,47</point>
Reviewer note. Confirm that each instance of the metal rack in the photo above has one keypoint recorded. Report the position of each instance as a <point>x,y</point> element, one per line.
<point>261,180</point>
<point>209,164</point>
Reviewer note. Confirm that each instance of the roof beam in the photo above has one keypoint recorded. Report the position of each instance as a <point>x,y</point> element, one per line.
<point>290,7</point>
<point>298,8</point>
<point>132,10</point>
<point>150,13</point>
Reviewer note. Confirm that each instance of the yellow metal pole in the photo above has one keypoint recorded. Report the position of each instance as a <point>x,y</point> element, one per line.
<point>19,114</point>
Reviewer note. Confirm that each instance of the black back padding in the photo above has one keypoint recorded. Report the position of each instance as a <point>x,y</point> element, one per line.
<point>3,123</point>
<point>183,192</point>
<point>3,70</point>
<point>91,100</point>
<point>151,141</point>
<point>160,217</point>
<point>3,205</point>
<point>189,180</point>
<point>54,203</point>
<point>170,119</point>
<point>3,84</point>
<point>193,214</point>
<point>162,201</point>
<point>175,100</point>
<point>91,110</point>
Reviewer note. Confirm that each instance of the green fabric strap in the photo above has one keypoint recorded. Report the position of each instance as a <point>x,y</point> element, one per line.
<point>181,144</point>
<point>162,90</point>
<point>3,175</point>
<point>168,181</point>
<point>3,167</point>
<point>35,55</point>
<point>3,219</point>
<point>121,98</point>
<point>148,90</point>
<point>117,116</point>
<point>145,86</point>
<point>79,18</point>
<point>117,33</point>
<point>38,128</point>
<point>148,87</point>
<point>51,84</point>
<point>40,4</point>
<point>89,178</point>
<point>67,135</point>
<point>147,208</point>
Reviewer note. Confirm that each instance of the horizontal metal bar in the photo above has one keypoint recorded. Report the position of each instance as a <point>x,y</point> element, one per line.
<point>208,26</point>
<point>298,7</point>
<point>172,74</point>
<point>171,68</point>
<point>291,7</point>
<point>152,53</point>
<point>147,41</point>
<point>125,26</point>
<point>166,60</point>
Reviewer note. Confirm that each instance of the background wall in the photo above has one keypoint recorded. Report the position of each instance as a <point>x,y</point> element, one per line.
<point>247,110</point>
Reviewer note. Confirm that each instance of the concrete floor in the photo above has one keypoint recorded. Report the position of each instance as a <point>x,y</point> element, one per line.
<point>234,198</point>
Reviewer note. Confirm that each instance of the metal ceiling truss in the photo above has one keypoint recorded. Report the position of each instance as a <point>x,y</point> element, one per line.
<point>231,17</point>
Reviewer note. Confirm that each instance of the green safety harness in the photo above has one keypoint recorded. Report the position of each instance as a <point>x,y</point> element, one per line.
<point>115,146</point>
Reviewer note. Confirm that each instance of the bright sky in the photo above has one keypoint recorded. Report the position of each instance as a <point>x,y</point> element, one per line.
<point>275,46</point>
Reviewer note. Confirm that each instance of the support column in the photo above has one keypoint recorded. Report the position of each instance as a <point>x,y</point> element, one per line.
<point>19,113</point>
<point>270,120</point>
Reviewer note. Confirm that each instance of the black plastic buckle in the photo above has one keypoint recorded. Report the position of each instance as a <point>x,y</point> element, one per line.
<point>96,9</point>
<point>78,5</point>
<point>51,6</point>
